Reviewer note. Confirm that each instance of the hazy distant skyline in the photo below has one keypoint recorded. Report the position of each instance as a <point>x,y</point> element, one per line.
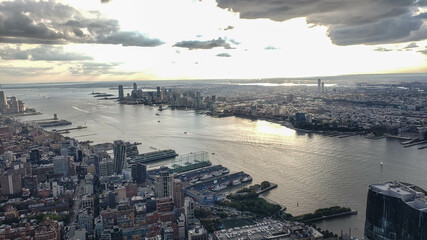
<point>90,40</point>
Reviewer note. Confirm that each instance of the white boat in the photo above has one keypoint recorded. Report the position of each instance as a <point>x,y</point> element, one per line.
<point>219,187</point>
<point>247,179</point>
<point>209,175</point>
<point>217,173</point>
<point>225,171</point>
<point>194,180</point>
<point>236,182</point>
<point>381,163</point>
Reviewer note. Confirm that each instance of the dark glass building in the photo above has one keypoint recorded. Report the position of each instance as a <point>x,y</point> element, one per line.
<point>139,172</point>
<point>119,156</point>
<point>396,211</point>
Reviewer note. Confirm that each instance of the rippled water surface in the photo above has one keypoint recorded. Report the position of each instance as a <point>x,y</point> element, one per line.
<point>312,170</point>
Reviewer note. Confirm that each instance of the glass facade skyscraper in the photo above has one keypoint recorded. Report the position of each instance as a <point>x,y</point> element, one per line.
<point>396,211</point>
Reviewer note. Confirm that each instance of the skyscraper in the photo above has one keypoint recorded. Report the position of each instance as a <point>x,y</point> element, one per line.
<point>164,184</point>
<point>121,94</point>
<point>323,87</point>
<point>119,156</point>
<point>396,210</point>
<point>139,172</point>
<point>158,93</point>
<point>3,100</point>
<point>135,88</point>
<point>319,82</point>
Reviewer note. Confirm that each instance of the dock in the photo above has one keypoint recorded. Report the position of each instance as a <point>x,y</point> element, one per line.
<point>353,212</point>
<point>414,143</point>
<point>272,186</point>
<point>67,130</point>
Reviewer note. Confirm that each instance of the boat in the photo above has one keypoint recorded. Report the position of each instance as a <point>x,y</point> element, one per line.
<point>225,171</point>
<point>219,187</point>
<point>213,153</point>
<point>194,180</point>
<point>157,114</point>
<point>247,179</point>
<point>381,163</point>
<point>236,182</point>
<point>185,132</point>
<point>217,173</point>
<point>158,121</point>
<point>209,175</point>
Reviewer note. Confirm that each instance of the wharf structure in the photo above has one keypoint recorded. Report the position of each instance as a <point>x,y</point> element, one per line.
<point>154,156</point>
<point>396,210</point>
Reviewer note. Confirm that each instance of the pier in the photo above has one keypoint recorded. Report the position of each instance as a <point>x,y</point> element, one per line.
<point>67,130</point>
<point>352,212</point>
<point>272,186</point>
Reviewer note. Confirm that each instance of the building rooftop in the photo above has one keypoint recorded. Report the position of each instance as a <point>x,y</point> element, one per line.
<point>412,195</point>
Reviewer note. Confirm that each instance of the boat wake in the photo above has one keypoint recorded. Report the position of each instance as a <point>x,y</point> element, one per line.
<point>81,110</point>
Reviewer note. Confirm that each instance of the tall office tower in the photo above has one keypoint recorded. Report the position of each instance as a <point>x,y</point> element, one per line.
<point>135,88</point>
<point>61,166</point>
<point>164,184</point>
<point>323,87</point>
<point>139,172</point>
<point>178,193</point>
<point>119,156</point>
<point>10,184</point>
<point>319,82</point>
<point>121,94</point>
<point>3,101</point>
<point>396,210</point>
<point>158,93</point>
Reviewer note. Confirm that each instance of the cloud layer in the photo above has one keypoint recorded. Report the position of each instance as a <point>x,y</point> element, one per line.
<point>349,22</point>
<point>27,21</point>
<point>204,44</point>
<point>43,53</point>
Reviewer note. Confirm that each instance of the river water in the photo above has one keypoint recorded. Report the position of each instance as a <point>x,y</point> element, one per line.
<point>312,170</point>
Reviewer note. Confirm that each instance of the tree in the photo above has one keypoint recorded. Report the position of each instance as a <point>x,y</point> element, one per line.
<point>265,184</point>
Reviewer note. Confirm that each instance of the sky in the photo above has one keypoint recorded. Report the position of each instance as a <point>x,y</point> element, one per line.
<point>101,40</point>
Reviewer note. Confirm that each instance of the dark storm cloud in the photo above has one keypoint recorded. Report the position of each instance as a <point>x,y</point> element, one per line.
<point>223,55</point>
<point>349,22</point>
<point>44,53</point>
<point>27,21</point>
<point>204,44</point>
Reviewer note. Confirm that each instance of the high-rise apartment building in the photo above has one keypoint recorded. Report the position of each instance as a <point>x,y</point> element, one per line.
<point>396,211</point>
<point>164,184</point>
<point>10,184</point>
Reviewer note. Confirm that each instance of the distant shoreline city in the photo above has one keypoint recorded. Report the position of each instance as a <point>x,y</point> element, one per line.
<point>96,194</point>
